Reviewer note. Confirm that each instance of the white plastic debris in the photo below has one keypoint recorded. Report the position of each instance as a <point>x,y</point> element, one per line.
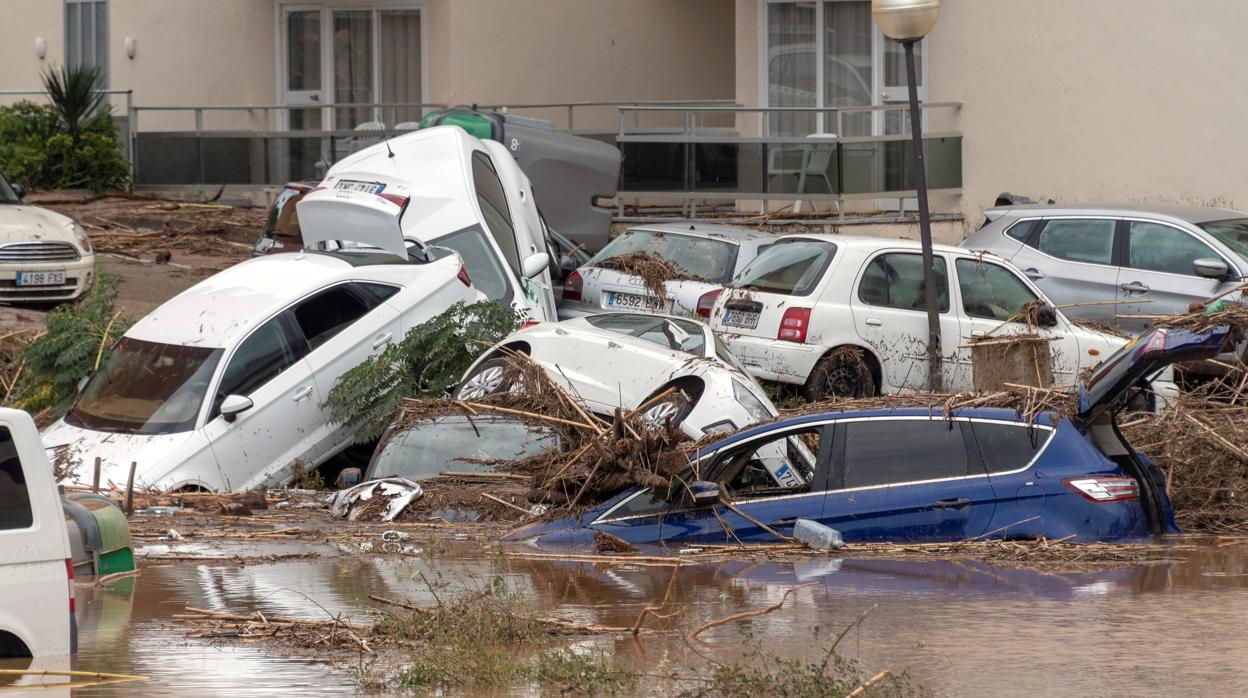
<point>816,536</point>
<point>400,492</point>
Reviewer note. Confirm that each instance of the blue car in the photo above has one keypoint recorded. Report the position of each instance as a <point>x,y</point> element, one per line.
<point>916,474</point>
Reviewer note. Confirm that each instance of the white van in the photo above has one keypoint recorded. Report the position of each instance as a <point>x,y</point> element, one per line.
<point>36,572</point>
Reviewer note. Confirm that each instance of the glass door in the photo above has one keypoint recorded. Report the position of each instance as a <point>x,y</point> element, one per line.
<point>302,92</point>
<point>400,67</point>
<point>353,69</point>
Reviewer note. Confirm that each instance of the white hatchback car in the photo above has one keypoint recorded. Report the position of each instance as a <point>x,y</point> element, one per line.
<point>792,312</point>
<point>222,387</point>
<point>44,256</point>
<point>625,359</point>
<point>712,253</point>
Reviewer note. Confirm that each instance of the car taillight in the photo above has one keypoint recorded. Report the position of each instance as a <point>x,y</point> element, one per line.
<point>395,199</point>
<point>69,572</point>
<point>463,276</point>
<point>572,287</point>
<point>707,301</point>
<point>794,324</point>
<point>1104,488</point>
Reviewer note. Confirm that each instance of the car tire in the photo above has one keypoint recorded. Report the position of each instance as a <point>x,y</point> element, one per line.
<point>667,412</point>
<point>489,378</point>
<point>844,373</point>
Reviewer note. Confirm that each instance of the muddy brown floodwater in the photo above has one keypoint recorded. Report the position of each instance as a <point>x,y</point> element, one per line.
<point>960,627</point>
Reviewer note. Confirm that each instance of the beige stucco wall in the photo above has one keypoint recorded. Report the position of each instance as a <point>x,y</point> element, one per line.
<point>23,22</point>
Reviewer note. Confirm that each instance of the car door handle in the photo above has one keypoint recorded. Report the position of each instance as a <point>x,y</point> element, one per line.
<point>302,393</point>
<point>873,322</point>
<point>1034,274</point>
<point>954,503</point>
<point>381,340</point>
<point>1135,287</point>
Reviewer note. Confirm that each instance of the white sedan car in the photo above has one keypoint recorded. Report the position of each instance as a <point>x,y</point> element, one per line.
<point>712,254</point>
<point>623,360</point>
<point>44,256</point>
<point>846,316</point>
<point>222,387</point>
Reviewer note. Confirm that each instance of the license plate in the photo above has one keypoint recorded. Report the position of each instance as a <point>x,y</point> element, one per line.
<point>40,278</point>
<point>356,185</point>
<point>633,301</point>
<point>740,318</point>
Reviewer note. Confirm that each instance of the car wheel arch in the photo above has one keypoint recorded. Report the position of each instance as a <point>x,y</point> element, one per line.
<point>12,646</point>
<point>872,361</point>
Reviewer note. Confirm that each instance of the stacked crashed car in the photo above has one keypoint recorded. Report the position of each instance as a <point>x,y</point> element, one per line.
<point>673,367</point>
<point>44,256</point>
<point>222,387</point>
<point>705,258</point>
<point>917,474</point>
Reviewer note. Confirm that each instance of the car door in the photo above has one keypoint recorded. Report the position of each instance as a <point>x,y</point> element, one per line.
<point>501,224</point>
<point>1072,261</point>
<point>529,229</point>
<point>343,325</point>
<point>1157,276</point>
<point>890,316</point>
<point>1007,450</point>
<point>906,479</point>
<point>270,367</point>
<point>991,299</point>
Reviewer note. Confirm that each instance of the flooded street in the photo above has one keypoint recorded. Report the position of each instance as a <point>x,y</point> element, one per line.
<point>960,627</point>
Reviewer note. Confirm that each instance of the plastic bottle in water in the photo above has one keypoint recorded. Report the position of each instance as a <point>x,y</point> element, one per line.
<point>816,536</point>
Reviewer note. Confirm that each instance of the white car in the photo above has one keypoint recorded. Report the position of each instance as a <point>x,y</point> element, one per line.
<point>713,253</point>
<point>44,256</point>
<point>625,359</point>
<point>461,193</point>
<point>36,570</point>
<point>846,316</point>
<point>222,387</point>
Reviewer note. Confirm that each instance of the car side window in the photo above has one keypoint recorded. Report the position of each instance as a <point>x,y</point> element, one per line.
<point>1088,240</point>
<point>492,199</point>
<point>374,295</point>
<point>1008,447</point>
<point>261,357</point>
<point>783,463</point>
<point>892,451</point>
<point>895,280</point>
<point>990,290</point>
<point>1157,247</point>
<point>15,511</point>
<point>329,312</point>
<point>1021,230</point>
<point>482,263</point>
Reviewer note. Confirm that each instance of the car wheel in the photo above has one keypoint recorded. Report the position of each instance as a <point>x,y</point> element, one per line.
<point>668,412</point>
<point>489,378</point>
<point>844,373</point>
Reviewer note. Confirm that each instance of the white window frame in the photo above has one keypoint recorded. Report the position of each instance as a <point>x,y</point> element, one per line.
<point>71,40</point>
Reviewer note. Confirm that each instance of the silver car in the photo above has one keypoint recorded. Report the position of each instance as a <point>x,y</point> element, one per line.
<point>1109,263</point>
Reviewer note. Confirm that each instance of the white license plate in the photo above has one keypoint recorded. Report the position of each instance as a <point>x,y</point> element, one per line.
<point>633,301</point>
<point>356,185</point>
<point>740,318</point>
<point>40,278</point>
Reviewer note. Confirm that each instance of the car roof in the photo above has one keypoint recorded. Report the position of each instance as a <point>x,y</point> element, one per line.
<point>728,233</point>
<point>1189,214</point>
<point>868,243</point>
<point>221,309</point>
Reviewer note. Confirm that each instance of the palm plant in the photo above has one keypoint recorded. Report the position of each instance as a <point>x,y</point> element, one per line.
<point>76,92</point>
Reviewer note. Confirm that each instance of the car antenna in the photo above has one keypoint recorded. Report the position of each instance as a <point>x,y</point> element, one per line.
<point>388,150</point>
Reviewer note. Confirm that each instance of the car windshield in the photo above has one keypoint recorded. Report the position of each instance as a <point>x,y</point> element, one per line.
<point>7,195</point>
<point>146,388</point>
<point>791,267</point>
<point>1232,233</point>
<point>459,444</point>
<point>704,258</point>
<point>669,333</point>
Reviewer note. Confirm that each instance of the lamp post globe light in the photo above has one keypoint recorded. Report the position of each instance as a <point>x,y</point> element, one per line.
<point>908,21</point>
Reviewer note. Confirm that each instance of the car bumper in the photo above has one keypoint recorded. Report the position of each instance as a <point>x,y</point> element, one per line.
<point>773,359</point>
<point>79,274</point>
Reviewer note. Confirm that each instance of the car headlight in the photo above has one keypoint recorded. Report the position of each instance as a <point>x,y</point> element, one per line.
<point>81,235</point>
<point>750,402</point>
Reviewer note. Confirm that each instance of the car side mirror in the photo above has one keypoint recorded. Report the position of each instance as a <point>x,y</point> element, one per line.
<point>534,264</point>
<point>19,190</point>
<point>704,493</point>
<point>1046,316</point>
<point>1210,268</point>
<point>232,405</point>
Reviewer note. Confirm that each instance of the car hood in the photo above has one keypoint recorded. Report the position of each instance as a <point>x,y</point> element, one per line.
<point>116,451</point>
<point>22,223</point>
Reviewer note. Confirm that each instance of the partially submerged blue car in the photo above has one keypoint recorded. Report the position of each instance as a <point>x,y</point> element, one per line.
<point>917,474</point>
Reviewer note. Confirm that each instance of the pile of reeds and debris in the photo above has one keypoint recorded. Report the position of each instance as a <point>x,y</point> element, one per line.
<point>1027,401</point>
<point>654,271</point>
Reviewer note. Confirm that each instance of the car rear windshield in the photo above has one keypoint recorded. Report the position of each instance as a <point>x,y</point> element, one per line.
<point>791,267</point>
<point>670,333</point>
<point>146,388</point>
<point>459,445</point>
<point>700,257</point>
<point>1232,233</point>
